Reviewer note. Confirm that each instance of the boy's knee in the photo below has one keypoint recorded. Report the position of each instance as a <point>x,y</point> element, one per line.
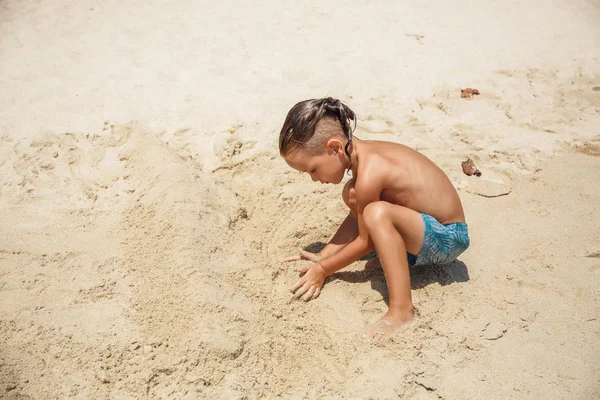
<point>375,213</point>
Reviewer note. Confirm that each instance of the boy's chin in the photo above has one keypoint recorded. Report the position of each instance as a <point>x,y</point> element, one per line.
<point>341,178</point>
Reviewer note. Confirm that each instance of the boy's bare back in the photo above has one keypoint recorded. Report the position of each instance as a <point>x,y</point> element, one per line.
<point>405,177</point>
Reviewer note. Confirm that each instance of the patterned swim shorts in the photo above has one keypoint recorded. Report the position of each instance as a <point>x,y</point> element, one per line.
<point>441,243</point>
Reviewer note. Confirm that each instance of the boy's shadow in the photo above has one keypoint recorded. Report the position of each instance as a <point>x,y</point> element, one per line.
<point>420,277</point>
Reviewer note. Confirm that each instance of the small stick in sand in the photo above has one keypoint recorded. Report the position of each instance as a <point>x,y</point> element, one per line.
<point>419,38</point>
<point>469,168</point>
<point>468,93</point>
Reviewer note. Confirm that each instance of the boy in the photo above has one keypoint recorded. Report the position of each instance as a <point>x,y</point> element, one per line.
<point>401,204</point>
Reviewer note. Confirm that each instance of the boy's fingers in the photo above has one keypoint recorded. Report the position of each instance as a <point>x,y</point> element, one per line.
<point>303,255</point>
<point>304,268</point>
<point>293,258</point>
<point>317,293</point>
<point>308,255</point>
<point>309,294</point>
<point>299,283</point>
<point>302,290</point>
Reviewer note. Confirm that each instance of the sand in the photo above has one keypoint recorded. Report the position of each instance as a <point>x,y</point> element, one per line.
<point>145,208</point>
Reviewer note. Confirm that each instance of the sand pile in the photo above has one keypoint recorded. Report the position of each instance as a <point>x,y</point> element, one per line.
<point>127,224</point>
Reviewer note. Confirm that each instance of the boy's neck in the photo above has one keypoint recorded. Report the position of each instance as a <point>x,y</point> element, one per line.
<point>354,154</point>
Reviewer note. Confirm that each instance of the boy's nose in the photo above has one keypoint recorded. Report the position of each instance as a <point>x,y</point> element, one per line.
<point>313,177</point>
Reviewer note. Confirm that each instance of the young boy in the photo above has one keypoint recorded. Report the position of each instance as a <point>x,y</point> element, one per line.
<point>401,204</point>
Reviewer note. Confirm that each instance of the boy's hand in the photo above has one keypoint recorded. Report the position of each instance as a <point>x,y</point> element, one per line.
<point>305,255</point>
<point>309,285</point>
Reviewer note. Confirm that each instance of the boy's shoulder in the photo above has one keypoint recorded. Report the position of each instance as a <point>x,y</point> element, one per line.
<point>386,165</point>
<point>379,154</point>
<point>378,162</point>
<point>380,157</point>
<point>386,150</point>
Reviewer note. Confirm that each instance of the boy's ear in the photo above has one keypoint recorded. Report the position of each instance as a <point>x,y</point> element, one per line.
<point>335,145</point>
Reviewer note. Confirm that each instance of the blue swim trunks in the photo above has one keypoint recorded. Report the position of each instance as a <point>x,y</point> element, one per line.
<point>441,243</point>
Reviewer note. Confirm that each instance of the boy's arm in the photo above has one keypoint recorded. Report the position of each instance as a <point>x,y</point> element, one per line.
<point>362,245</point>
<point>346,233</point>
<point>347,255</point>
<point>309,285</point>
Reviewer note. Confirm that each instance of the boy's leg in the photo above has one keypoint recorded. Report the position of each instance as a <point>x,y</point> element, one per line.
<point>394,230</point>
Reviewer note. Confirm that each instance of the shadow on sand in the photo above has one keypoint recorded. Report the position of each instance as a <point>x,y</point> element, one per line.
<point>420,277</point>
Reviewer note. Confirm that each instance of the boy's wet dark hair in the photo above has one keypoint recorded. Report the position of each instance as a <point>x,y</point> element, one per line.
<point>302,119</point>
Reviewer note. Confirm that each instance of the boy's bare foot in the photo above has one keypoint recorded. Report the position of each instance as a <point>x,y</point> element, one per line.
<point>373,263</point>
<point>389,325</point>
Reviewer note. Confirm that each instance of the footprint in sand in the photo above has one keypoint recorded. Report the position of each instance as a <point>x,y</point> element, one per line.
<point>538,208</point>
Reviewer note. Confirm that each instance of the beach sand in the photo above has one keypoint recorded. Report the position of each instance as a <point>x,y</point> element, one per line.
<point>145,208</point>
